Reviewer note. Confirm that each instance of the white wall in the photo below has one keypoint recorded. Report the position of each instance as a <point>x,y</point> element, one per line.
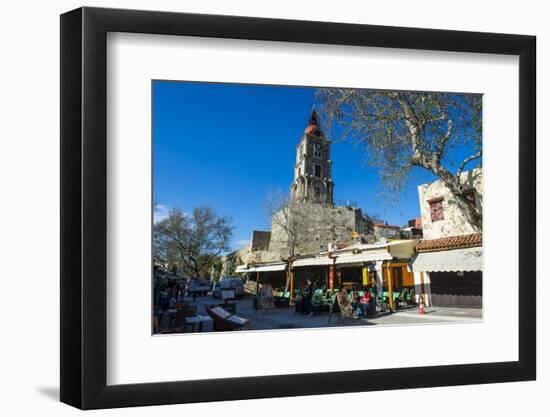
<point>454,223</point>
<point>29,214</point>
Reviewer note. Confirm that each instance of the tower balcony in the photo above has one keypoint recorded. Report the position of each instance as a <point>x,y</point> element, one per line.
<point>346,203</point>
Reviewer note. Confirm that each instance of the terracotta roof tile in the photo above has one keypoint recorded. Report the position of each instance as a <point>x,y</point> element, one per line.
<point>313,130</point>
<point>453,242</point>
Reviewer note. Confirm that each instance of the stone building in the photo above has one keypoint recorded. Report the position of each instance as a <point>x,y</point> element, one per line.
<point>311,207</point>
<point>440,215</point>
<point>449,262</point>
<point>312,198</point>
<point>260,240</point>
<point>325,224</point>
<point>313,169</point>
<point>386,231</point>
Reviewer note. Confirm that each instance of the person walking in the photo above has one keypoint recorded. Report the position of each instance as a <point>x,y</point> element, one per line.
<point>308,294</point>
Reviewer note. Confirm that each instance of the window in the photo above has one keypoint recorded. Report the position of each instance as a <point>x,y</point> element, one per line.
<point>318,153</point>
<point>318,171</point>
<point>436,210</point>
<point>470,195</point>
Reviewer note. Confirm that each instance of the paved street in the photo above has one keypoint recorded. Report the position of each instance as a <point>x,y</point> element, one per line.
<point>286,318</point>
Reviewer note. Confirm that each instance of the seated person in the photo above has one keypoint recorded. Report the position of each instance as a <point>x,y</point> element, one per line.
<point>361,305</point>
<point>354,299</point>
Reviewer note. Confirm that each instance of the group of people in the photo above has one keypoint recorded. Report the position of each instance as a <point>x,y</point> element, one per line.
<point>363,302</point>
<point>165,296</point>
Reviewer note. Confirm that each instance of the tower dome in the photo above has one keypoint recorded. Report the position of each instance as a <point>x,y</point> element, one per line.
<point>314,126</point>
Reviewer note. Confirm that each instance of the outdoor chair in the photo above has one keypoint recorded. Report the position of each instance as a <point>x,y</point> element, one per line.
<point>411,299</point>
<point>396,298</point>
<point>231,307</point>
<point>281,298</point>
<point>407,296</point>
<point>382,302</point>
<point>320,303</point>
<point>225,321</point>
<point>298,301</point>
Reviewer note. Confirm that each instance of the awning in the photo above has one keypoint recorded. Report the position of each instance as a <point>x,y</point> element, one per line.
<point>269,268</point>
<point>241,269</point>
<point>467,259</point>
<point>325,260</point>
<point>367,256</point>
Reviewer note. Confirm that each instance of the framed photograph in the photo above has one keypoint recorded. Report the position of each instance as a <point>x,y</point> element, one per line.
<point>259,208</point>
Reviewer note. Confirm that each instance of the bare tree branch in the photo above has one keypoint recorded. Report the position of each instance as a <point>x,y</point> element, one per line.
<point>402,130</point>
<point>466,161</point>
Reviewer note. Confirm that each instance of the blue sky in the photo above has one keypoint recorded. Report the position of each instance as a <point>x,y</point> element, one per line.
<point>227,145</point>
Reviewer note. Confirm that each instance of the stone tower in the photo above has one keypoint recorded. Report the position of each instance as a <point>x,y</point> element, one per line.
<point>313,169</point>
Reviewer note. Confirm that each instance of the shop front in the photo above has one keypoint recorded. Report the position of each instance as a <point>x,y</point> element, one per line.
<point>398,286</point>
<point>384,267</point>
<point>452,275</point>
<point>257,275</point>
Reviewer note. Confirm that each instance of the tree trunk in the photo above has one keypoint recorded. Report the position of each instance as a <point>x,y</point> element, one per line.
<point>432,162</point>
<point>472,214</point>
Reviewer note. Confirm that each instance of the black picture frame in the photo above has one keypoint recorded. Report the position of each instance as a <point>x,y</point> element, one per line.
<point>84,207</point>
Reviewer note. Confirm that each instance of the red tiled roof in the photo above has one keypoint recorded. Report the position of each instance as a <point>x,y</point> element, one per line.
<point>453,242</point>
<point>312,130</point>
<point>343,245</point>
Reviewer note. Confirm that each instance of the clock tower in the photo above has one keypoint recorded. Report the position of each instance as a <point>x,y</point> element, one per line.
<point>313,169</point>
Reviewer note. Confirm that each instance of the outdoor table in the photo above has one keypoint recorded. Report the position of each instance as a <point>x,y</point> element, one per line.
<point>171,313</point>
<point>197,319</point>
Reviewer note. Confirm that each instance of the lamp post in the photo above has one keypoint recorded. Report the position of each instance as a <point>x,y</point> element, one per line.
<point>290,278</point>
<point>390,285</point>
<point>331,248</point>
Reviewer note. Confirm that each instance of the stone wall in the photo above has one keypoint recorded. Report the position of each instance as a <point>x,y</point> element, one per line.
<point>325,225</point>
<point>260,240</point>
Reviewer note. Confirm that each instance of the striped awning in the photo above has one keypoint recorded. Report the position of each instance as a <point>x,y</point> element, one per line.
<point>320,261</point>
<point>466,259</point>
<point>367,256</point>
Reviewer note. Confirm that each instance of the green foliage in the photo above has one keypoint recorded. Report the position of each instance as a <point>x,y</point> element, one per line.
<point>193,242</point>
<point>232,260</point>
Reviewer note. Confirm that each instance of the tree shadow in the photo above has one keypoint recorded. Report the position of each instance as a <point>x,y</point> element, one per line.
<point>50,392</point>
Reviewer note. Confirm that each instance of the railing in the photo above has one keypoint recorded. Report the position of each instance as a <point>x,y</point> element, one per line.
<point>347,203</point>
